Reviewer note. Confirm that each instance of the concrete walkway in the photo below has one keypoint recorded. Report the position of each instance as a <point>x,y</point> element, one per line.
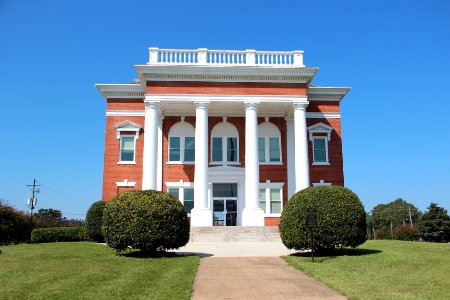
<point>255,278</point>
<point>250,270</point>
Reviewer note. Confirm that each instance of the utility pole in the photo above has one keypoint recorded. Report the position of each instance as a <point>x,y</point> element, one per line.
<point>32,201</point>
<point>392,233</point>
<point>410,218</point>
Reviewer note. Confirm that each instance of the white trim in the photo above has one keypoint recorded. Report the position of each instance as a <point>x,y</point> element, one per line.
<point>267,186</point>
<point>127,126</point>
<point>323,115</point>
<point>126,183</point>
<point>320,128</point>
<point>182,149</point>
<point>327,93</point>
<point>181,186</point>
<point>121,91</point>
<point>322,183</point>
<point>223,98</point>
<point>141,113</point>
<point>126,162</point>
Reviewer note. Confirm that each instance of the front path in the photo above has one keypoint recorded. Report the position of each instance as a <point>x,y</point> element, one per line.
<point>255,278</point>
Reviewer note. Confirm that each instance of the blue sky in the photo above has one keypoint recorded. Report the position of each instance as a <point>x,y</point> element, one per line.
<point>394,54</point>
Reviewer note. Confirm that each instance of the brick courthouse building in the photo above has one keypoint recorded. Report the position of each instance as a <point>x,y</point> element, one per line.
<point>232,134</point>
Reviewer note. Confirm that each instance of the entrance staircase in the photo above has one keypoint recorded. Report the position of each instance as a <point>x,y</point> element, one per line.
<point>235,234</point>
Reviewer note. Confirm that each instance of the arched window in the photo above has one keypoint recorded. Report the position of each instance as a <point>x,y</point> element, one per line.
<point>224,143</point>
<point>182,143</point>
<point>269,143</point>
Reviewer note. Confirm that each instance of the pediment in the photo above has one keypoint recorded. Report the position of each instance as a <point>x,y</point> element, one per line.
<point>127,126</point>
<point>320,128</point>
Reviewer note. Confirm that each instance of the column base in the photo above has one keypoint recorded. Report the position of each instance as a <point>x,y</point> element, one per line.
<point>252,217</point>
<point>201,217</point>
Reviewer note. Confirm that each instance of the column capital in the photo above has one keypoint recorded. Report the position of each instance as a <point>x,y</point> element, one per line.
<point>251,105</point>
<point>152,104</point>
<point>201,104</point>
<point>300,105</point>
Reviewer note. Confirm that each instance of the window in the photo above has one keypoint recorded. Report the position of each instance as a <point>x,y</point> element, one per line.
<point>269,143</point>
<point>224,143</point>
<point>185,195</point>
<point>270,200</point>
<point>320,154</point>
<point>127,147</point>
<point>127,134</point>
<point>181,143</point>
<point>320,135</point>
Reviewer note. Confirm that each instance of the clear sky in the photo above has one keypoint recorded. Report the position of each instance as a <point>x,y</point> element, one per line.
<point>394,54</point>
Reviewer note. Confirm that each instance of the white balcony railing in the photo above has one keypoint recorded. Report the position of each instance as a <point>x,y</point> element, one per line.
<point>203,56</point>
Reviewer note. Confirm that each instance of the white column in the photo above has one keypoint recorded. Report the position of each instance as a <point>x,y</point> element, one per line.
<point>301,146</point>
<point>149,172</point>
<point>160,156</point>
<point>201,214</point>
<point>290,133</point>
<point>252,214</point>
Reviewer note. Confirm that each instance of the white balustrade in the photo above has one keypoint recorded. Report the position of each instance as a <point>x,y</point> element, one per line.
<point>203,56</point>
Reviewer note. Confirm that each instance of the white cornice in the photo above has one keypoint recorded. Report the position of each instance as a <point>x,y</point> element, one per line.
<point>323,93</point>
<point>223,98</point>
<point>123,91</point>
<point>141,113</point>
<point>224,73</point>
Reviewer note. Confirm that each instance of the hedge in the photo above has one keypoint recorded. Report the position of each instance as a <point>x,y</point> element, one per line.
<point>58,234</point>
<point>15,226</point>
<point>94,218</point>
<point>341,220</point>
<point>146,220</point>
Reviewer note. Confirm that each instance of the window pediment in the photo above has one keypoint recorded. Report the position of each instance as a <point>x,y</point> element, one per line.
<point>320,128</point>
<point>127,126</point>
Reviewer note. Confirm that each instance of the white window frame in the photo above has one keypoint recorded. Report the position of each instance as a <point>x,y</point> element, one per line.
<point>318,163</point>
<point>123,130</point>
<point>180,130</point>
<point>225,151</point>
<point>127,162</point>
<point>180,186</point>
<point>271,186</point>
<point>182,148</point>
<point>320,128</point>
<point>267,151</point>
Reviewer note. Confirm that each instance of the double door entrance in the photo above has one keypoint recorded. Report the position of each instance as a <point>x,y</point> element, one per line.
<point>224,204</point>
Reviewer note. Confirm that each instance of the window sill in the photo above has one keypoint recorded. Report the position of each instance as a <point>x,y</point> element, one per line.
<point>321,164</point>
<point>272,215</point>
<point>180,163</point>
<point>126,162</point>
<point>224,163</point>
<point>268,163</point>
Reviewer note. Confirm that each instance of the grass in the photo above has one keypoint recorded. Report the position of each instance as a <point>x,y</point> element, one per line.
<point>84,270</point>
<point>384,270</point>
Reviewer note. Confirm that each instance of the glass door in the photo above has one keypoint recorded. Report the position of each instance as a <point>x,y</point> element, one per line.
<point>224,204</point>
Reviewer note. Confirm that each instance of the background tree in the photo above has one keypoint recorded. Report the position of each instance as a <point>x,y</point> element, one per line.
<point>15,226</point>
<point>48,217</point>
<point>434,225</point>
<point>396,212</point>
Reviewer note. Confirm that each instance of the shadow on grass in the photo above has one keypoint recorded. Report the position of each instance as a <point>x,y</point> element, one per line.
<point>330,254</point>
<point>159,254</point>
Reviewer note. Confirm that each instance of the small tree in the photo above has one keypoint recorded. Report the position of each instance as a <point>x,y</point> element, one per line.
<point>434,225</point>
<point>48,217</point>
<point>406,233</point>
<point>94,218</point>
<point>15,226</point>
<point>147,220</point>
<point>341,220</point>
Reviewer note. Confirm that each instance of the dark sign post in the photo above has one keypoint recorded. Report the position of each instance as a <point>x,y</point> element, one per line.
<point>311,223</point>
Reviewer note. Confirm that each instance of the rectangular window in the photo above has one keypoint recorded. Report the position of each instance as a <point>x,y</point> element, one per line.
<point>189,148</point>
<point>217,149</point>
<point>188,200</point>
<point>262,199</point>
<point>225,190</point>
<point>320,150</point>
<point>275,201</point>
<point>174,149</point>
<point>175,192</point>
<point>127,148</point>
<point>232,149</point>
<point>274,149</point>
<point>262,149</point>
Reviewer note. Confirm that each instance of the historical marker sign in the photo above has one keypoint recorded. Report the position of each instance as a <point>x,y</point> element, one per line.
<point>311,217</point>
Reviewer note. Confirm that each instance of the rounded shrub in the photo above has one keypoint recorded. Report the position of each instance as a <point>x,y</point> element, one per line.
<point>341,220</point>
<point>146,220</point>
<point>94,217</point>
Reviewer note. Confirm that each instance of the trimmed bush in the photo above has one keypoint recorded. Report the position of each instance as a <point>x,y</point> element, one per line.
<point>406,233</point>
<point>341,220</point>
<point>15,226</point>
<point>146,220</point>
<point>58,234</point>
<point>94,218</point>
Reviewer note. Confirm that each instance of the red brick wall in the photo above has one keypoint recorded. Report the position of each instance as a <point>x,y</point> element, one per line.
<point>271,221</point>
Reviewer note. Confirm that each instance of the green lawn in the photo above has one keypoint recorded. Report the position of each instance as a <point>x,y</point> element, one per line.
<point>384,270</point>
<point>84,270</point>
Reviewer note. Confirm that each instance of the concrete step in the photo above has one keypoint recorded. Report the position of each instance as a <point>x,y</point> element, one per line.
<point>234,234</point>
